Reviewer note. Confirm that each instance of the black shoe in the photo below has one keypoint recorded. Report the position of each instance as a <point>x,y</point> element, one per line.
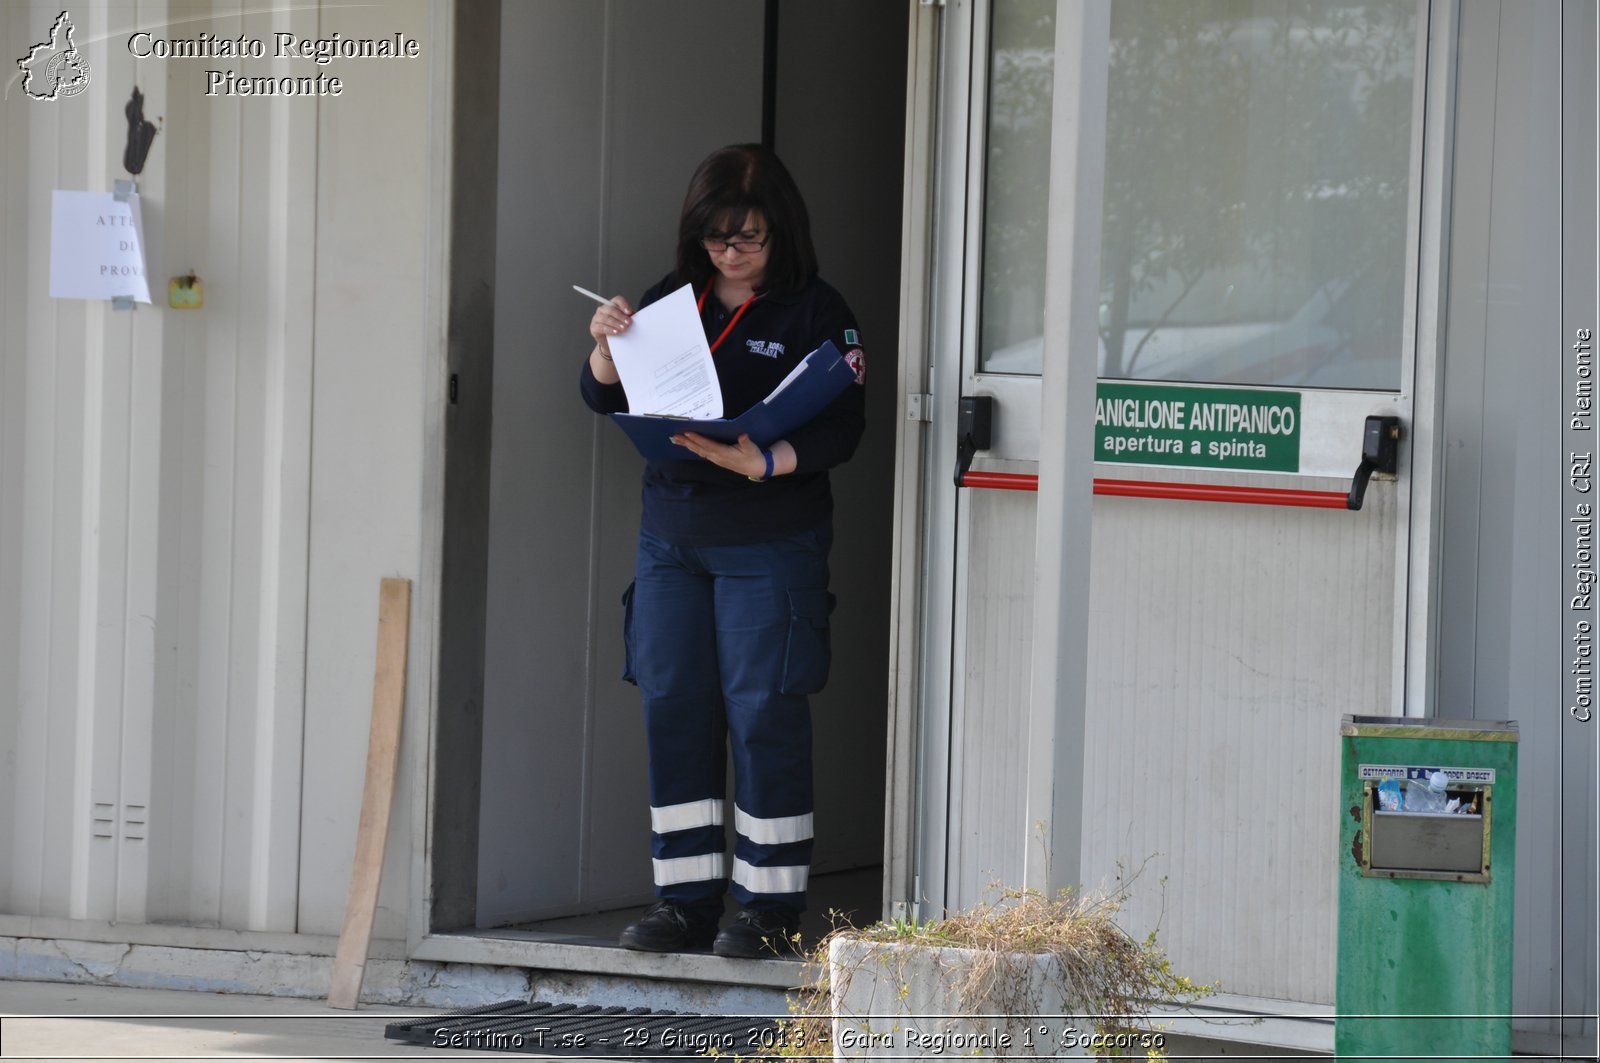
<point>754,934</point>
<point>668,927</point>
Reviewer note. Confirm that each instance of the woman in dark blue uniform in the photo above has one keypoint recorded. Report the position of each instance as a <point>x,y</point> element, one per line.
<point>727,617</point>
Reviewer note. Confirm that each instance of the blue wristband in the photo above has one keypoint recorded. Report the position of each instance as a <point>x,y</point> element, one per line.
<point>766,456</point>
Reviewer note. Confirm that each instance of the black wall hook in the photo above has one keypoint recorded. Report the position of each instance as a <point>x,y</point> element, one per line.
<point>141,134</point>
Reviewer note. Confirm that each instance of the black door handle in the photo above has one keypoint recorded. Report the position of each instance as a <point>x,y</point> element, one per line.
<point>974,431</point>
<point>1380,452</point>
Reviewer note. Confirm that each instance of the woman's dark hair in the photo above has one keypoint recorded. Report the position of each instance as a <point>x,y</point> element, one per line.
<point>728,185</point>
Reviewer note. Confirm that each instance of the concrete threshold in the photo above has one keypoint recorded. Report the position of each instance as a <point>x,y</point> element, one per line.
<point>446,971</point>
<point>584,955</point>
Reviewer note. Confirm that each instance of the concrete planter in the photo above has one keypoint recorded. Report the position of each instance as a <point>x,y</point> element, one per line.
<point>894,1000</point>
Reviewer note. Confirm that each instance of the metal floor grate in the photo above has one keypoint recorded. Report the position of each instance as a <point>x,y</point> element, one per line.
<point>537,1028</point>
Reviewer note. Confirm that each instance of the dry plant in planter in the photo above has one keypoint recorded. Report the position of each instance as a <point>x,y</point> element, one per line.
<point>1024,975</point>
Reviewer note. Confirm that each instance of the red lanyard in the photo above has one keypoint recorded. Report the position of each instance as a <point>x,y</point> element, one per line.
<point>737,314</point>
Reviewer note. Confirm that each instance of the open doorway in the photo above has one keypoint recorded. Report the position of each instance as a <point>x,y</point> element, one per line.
<point>577,125</point>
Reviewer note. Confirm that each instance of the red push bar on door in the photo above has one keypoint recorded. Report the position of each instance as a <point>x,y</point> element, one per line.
<point>1379,442</point>
<point>1257,496</point>
<point>1254,496</point>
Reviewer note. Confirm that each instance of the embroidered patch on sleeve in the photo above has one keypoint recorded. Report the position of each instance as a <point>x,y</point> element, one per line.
<point>852,338</point>
<point>858,362</point>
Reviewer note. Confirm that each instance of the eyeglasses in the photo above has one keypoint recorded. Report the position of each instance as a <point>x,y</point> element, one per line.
<point>718,244</point>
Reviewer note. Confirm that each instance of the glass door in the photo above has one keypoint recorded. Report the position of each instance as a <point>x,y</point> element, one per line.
<point>1257,294</point>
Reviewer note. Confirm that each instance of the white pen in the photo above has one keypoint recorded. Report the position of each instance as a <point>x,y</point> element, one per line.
<point>602,300</point>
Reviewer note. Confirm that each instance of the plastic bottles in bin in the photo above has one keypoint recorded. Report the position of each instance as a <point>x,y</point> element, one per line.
<point>1429,796</point>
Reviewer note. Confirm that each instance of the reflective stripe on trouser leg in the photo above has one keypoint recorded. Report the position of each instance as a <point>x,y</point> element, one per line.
<point>675,665</point>
<point>778,841</point>
<point>690,869</point>
<point>769,731</point>
<point>687,816</point>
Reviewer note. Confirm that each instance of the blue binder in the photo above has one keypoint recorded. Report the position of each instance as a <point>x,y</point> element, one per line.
<point>826,374</point>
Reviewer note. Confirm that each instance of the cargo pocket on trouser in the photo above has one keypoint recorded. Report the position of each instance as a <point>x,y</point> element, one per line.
<point>627,636</point>
<point>806,660</point>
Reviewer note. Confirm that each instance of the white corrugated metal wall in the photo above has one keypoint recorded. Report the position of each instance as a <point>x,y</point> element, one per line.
<point>1503,648</point>
<point>196,507</point>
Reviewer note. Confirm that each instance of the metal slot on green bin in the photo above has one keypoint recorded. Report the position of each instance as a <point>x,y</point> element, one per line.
<point>1447,846</point>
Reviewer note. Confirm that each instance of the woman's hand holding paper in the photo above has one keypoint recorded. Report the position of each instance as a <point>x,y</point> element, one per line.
<point>610,319</point>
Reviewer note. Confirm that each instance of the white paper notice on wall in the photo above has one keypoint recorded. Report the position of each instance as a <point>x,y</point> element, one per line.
<point>96,247</point>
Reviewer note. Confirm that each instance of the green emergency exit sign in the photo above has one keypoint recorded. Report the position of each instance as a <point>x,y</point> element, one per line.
<point>1198,427</point>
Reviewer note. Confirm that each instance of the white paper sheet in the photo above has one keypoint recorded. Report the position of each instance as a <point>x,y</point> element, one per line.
<point>96,247</point>
<point>665,363</point>
<point>786,381</point>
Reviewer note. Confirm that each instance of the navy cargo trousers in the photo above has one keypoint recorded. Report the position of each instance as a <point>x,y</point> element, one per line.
<point>725,642</point>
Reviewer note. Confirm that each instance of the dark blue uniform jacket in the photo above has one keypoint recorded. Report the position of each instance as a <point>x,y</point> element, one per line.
<point>696,503</point>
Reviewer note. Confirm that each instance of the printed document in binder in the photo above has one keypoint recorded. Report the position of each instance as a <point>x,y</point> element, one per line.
<point>664,362</point>
<point>815,382</point>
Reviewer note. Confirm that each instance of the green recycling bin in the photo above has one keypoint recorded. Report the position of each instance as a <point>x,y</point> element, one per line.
<point>1427,851</point>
